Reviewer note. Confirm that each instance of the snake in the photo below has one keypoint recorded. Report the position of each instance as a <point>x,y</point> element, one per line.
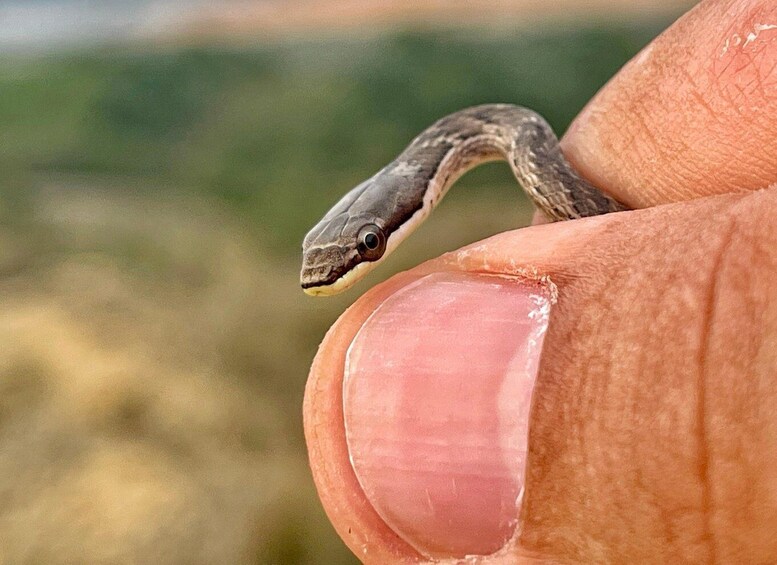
<point>371,220</point>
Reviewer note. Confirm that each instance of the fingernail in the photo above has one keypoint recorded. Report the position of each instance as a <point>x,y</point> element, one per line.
<point>437,392</point>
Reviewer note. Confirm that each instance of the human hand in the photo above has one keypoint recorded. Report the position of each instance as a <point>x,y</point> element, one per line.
<point>652,433</point>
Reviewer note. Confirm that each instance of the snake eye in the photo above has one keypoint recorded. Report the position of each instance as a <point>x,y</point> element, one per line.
<point>372,242</point>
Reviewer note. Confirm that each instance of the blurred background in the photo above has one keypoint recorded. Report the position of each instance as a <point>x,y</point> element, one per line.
<point>160,162</point>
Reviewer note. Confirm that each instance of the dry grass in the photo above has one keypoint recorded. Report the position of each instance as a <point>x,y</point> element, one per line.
<point>151,376</point>
<point>143,413</point>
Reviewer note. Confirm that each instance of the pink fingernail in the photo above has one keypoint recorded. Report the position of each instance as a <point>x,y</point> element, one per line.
<point>437,392</point>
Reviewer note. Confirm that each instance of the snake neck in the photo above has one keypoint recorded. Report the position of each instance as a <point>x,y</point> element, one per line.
<point>492,132</point>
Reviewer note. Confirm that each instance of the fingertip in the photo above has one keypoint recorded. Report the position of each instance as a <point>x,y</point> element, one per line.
<point>691,115</point>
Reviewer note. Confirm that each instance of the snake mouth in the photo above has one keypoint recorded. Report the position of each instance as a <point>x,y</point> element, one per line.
<point>321,290</point>
<point>333,284</point>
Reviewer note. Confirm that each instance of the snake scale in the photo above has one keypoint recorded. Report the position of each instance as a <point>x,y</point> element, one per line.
<point>370,221</point>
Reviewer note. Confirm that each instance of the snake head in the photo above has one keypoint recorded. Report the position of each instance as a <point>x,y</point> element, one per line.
<point>360,230</point>
<point>339,251</point>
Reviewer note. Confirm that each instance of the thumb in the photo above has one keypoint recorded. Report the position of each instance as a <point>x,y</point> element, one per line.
<point>655,373</point>
<point>443,421</point>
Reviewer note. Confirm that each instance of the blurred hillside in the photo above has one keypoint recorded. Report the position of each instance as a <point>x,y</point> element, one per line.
<point>153,199</point>
<point>279,132</point>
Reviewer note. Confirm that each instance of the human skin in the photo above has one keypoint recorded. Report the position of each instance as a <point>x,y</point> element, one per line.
<point>652,430</point>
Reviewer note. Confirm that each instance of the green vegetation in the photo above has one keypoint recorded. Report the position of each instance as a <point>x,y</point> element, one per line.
<point>152,204</point>
<point>281,131</point>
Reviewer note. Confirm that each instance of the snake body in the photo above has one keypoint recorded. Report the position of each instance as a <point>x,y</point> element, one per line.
<point>373,218</point>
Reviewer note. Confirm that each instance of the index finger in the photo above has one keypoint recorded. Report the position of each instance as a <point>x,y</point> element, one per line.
<point>694,114</point>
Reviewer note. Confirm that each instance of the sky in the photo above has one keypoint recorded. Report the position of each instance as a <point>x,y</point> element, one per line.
<point>47,24</point>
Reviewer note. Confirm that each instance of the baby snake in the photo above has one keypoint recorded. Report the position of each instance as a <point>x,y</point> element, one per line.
<point>370,221</point>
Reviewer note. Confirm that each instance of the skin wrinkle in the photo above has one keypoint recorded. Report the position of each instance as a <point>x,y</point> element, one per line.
<point>699,99</point>
<point>749,496</point>
<point>743,494</point>
<point>699,427</point>
<point>772,72</point>
<point>666,525</point>
<point>757,82</point>
<point>757,171</point>
<point>704,457</point>
<point>648,134</point>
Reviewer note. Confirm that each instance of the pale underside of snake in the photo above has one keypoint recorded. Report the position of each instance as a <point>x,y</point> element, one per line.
<point>369,222</point>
